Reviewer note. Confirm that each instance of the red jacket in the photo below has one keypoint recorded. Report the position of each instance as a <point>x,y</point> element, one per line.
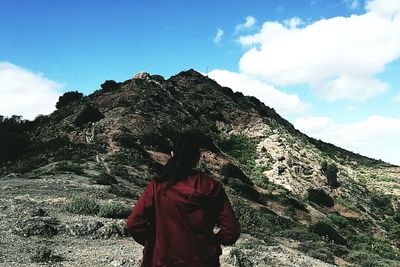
<point>176,226</point>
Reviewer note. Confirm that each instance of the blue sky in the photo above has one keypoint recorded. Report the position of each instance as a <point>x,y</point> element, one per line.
<point>329,67</point>
<point>82,43</point>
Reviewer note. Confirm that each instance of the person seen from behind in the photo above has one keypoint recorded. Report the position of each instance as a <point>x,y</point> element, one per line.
<point>175,215</point>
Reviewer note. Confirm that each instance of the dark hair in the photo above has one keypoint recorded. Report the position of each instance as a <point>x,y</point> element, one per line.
<point>186,151</point>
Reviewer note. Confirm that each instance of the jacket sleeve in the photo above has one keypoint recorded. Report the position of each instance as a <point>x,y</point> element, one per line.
<point>139,222</point>
<point>226,220</point>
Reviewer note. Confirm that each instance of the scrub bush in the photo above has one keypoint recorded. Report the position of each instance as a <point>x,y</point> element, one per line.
<point>68,98</point>
<point>89,114</point>
<point>83,205</point>
<point>320,197</point>
<point>326,230</point>
<point>231,170</point>
<point>110,85</point>
<point>114,210</point>
<point>241,148</point>
<point>69,167</point>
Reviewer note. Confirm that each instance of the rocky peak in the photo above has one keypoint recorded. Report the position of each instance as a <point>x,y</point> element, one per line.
<point>141,75</point>
<point>190,77</point>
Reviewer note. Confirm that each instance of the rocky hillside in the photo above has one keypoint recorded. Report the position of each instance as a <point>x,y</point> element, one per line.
<point>68,180</point>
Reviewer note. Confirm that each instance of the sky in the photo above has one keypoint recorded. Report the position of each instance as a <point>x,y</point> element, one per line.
<point>330,67</point>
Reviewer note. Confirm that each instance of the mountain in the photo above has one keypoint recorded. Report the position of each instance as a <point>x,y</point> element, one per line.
<point>68,180</point>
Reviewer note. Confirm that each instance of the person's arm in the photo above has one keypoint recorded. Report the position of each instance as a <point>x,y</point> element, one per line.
<point>227,222</point>
<point>138,222</point>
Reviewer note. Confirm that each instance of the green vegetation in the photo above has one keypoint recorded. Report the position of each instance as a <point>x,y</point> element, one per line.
<point>120,171</point>
<point>294,203</point>
<point>235,178</point>
<point>337,153</point>
<point>134,157</point>
<point>68,98</point>
<point>121,191</point>
<point>24,149</point>
<point>105,179</point>
<point>319,250</point>
<point>154,141</point>
<point>392,227</point>
<point>337,220</point>
<point>320,197</point>
<point>326,230</point>
<point>367,250</point>
<point>44,253</point>
<point>54,143</point>
<point>308,170</point>
<point>266,225</point>
<point>381,204</point>
<point>131,151</point>
<point>258,176</point>
<point>83,205</point>
<point>241,148</point>
<point>365,259</point>
<point>394,234</point>
<point>114,210</point>
<point>90,113</point>
<point>126,140</point>
<point>216,115</point>
<point>330,170</point>
<point>110,85</point>
<point>14,138</point>
<point>69,167</point>
<point>349,203</point>
<point>261,223</point>
<point>231,170</point>
<point>300,233</point>
<point>243,189</point>
<point>343,238</point>
<point>323,249</point>
<point>253,244</point>
<point>396,216</point>
<point>87,206</point>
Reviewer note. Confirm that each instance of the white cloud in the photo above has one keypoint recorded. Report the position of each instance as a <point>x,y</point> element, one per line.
<point>376,137</point>
<point>333,54</point>
<point>361,89</point>
<point>293,22</point>
<point>385,8</point>
<point>25,93</point>
<point>248,24</point>
<point>218,36</point>
<point>282,102</point>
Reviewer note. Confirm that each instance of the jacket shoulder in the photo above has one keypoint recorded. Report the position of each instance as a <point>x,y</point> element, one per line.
<point>209,178</point>
<point>209,183</point>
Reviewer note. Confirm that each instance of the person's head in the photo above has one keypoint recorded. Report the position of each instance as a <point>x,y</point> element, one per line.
<point>184,156</point>
<point>186,148</point>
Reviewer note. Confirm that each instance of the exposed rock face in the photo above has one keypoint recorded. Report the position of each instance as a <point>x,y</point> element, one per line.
<point>141,75</point>
<point>70,190</point>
